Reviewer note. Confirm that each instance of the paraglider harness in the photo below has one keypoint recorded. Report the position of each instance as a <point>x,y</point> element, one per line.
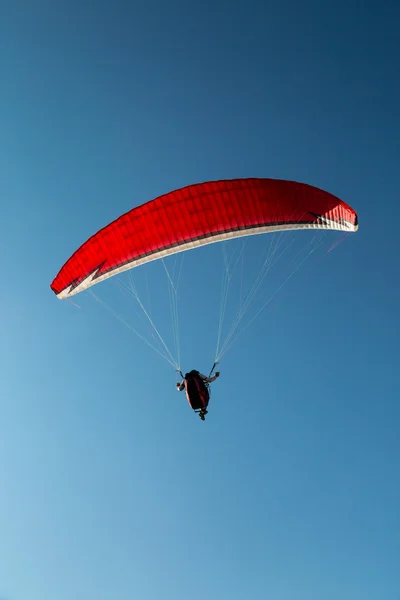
<point>203,390</point>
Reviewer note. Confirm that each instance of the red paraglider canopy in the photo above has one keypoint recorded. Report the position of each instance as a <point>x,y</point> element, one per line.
<point>197,215</point>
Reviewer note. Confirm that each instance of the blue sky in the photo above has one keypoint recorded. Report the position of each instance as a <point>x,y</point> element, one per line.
<point>110,486</point>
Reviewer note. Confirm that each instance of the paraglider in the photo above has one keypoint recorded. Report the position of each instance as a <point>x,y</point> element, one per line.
<point>197,215</point>
<point>192,217</point>
<point>197,390</point>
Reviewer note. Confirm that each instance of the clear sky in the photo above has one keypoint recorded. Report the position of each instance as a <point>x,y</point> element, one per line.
<point>110,487</point>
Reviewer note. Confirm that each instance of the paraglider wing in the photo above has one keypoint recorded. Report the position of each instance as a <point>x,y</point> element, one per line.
<point>197,215</point>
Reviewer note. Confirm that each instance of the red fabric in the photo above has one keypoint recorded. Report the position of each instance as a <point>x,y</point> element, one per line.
<point>196,393</point>
<point>199,212</point>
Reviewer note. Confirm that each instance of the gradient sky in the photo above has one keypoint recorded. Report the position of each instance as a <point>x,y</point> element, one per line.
<point>110,487</point>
